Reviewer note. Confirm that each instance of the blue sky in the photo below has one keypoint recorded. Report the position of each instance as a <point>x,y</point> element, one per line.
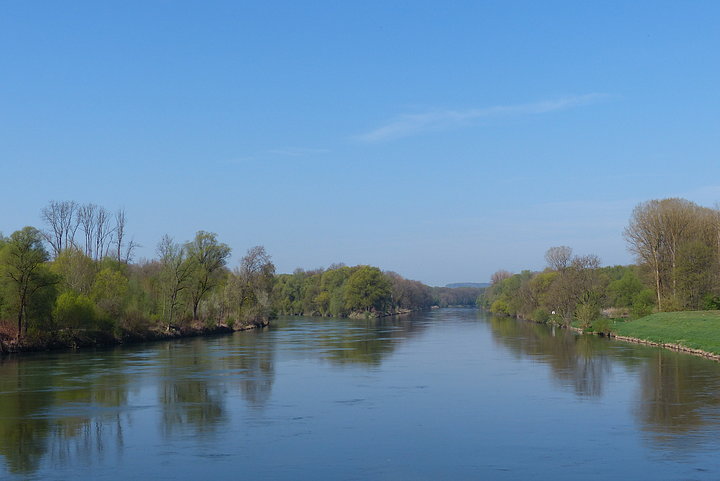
<point>442,140</point>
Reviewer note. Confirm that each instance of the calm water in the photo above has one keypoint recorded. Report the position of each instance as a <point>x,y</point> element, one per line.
<point>446,395</point>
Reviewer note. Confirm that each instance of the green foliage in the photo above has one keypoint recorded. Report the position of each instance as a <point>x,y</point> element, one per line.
<point>540,315</point>
<point>25,276</point>
<point>75,311</point>
<point>367,289</point>
<point>587,312</point>
<point>643,303</point>
<point>711,302</point>
<point>109,291</point>
<point>500,306</point>
<point>693,278</point>
<point>602,326</point>
<point>621,292</point>
<point>342,291</point>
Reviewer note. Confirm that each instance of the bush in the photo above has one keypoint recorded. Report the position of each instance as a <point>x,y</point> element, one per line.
<point>711,302</point>
<point>643,304</point>
<point>586,313</point>
<point>500,307</point>
<point>75,311</point>
<point>602,326</point>
<point>540,315</point>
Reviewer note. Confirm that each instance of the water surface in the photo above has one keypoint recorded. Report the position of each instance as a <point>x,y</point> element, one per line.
<point>449,394</point>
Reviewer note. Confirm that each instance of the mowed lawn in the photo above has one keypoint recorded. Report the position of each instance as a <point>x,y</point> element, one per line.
<point>693,329</point>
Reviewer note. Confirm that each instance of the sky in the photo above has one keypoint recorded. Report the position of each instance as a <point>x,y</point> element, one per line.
<point>440,140</point>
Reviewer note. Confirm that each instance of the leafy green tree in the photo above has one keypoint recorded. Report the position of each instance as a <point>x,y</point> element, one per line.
<point>367,289</point>
<point>75,269</point>
<point>208,257</point>
<point>109,292</point>
<point>621,292</point>
<point>694,279</point>
<point>23,262</point>
<point>75,311</point>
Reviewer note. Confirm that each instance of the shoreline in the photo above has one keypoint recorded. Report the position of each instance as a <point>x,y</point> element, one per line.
<point>636,340</point>
<point>668,345</point>
<point>76,341</point>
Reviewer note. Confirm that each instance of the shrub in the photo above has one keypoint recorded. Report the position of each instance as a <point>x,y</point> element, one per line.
<point>586,313</point>
<point>75,311</point>
<point>540,315</point>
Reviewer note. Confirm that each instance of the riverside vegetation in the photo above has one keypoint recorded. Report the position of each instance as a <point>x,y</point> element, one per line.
<point>670,297</point>
<point>75,283</point>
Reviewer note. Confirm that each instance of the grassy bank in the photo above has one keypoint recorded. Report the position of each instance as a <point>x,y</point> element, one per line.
<point>694,330</point>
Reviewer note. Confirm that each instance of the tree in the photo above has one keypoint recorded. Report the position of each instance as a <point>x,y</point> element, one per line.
<point>23,258</point>
<point>62,221</point>
<point>558,258</point>
<point>499,276</point>
<point>208,257</point>
<point>644,236</point>
<point>175,275</point>
<point>367,289</point>
<point>576,281</point>
<point>694,278</point>
<point>657,233</point>
<point>75,269</point>
<point>86,217</point>
<point>251,285</point>
<point>120,220</point>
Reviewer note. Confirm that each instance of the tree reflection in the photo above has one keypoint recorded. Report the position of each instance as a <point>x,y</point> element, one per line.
<point>252,359</point>
<point>191,393</point>
<point>22,435</point>
<point>581,362</point>
<point>678,395</point>
<point>49,405</point>
<point>367,342</point>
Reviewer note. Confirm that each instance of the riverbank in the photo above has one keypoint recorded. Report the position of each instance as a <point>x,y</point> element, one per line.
<point>694,332</point>
<point>691,332</point>
<point>79,338</point>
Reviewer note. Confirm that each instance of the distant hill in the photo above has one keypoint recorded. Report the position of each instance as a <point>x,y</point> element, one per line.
<point>469,284</point>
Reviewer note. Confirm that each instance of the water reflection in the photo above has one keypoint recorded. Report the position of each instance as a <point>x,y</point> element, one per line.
<point>62,408</point>
<point>677,394</point>
<point>369,342</point>
<point>76,409</point>
<point>253,354</point>
<point>581,362</point>
<point>190,394</point>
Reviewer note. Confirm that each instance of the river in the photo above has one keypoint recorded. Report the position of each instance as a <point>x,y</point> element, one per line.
<point>452,394</point>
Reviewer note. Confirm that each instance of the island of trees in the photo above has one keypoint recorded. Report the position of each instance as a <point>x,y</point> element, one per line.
<point>74,282</point>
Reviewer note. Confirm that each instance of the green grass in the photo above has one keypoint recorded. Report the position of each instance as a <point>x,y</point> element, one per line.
<point>692,329</point>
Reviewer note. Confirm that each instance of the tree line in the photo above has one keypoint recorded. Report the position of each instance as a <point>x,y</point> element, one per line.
<point>76,277</point>
<point>677,248</point>
<point>360,291</point>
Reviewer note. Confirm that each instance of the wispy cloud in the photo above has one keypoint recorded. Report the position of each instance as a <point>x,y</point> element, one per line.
<point>297,151</point>
<point>414,124</point>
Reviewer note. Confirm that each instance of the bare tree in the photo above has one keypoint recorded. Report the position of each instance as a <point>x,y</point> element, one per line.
<point>175,274</point>
<point>103,232</point>
<point>86,217</point>
<point>120,220</point>
<point>62,222</point>
<point>130,251</point>
<point>559,258</point>
<point>499,276</point>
